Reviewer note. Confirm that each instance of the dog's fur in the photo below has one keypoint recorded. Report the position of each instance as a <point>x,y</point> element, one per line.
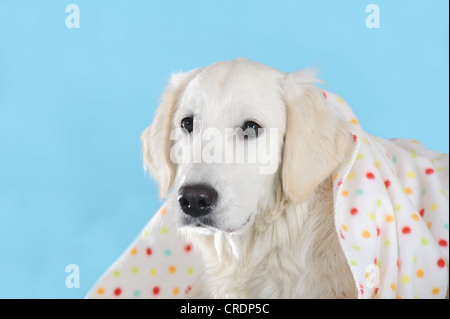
<point>270,235</point>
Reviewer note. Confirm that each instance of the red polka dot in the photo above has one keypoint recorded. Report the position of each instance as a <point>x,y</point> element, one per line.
<point>398,263</point>
<point>354,211</point>
<point>187,248</point>
<point>340,183</point>
<point>370,175</point>
<point>355,138</point>
<point>429,171</point>
<point>341,234</point>
<point>378,231</point>
<point>387,183</point>
<point>406,230</point>
<point>324,94</point>
<point>117,291</point>
<point>441,263</point>
<point>155,290</point>
<point>422,212</point>
<point>149,251</point>
<point>187,289</point>
<point>443,243</point>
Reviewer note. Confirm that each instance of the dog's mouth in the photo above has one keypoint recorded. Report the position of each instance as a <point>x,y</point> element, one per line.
<point>207,225</point>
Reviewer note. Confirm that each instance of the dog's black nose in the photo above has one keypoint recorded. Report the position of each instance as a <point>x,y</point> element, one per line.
<point>197,200</point>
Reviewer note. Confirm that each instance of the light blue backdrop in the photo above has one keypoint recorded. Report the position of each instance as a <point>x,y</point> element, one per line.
<point>74,101</point>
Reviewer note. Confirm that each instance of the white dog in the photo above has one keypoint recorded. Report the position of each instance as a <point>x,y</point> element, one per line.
<point>261,235</point>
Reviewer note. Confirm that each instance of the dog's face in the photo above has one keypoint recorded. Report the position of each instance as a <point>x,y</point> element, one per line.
<point>227,138</point>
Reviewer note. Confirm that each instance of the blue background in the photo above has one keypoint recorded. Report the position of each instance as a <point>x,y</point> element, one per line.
<point>73,103</point>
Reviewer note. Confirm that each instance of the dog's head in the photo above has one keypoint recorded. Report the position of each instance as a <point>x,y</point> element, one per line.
<point>227,138</point>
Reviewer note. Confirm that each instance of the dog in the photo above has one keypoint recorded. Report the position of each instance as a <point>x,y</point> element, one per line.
<point>261,235</point>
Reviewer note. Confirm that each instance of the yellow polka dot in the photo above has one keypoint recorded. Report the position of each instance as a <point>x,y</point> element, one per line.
<point>176,291</point>
<point>344,227</point>
<point>190,270</point>
<point>163,211</point>
<point>397,207</point>
<point>415,141</point>
<point>398,297</point>
<point>146,233</point>
<point>413,154</point>
<point>360,156</point>
<point>350,176</point>
<point>415,217</point>
<point>435,291</point>
<point>377,164</point>
<point>335,176</point>
<point>410,174</point>
<point>419,273</point>
<point>408,191</point>
<point>440,169</point>
<point>133,251</point>
<point>405,279</point>
<point>116,273</point>
<point>345,193</point>
<point>100,291</point>
<point>429,224</point>
<point>372,216</point>
<point>354,121</point>
<point>172,269</point>
<point>135,270</point>
<point>340,100</point>
<point>434,206</point>
<point>393,286</point>
<point>365,234</point>
<point>387,243</point>
<point>389,218</point>
<point>153,272</point>
<point>164,230</point>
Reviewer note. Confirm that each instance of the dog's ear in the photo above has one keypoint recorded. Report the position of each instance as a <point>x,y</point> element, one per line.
<point>155,138</point>
<point>316,139</point>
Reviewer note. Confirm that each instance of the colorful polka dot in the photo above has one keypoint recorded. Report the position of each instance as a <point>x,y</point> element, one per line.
<point>137,293</point>
<point>135,270</point>
<point>116,273</point>
<point>420,273</point>
<point>156,290</point>
<point>175,291</point>
<point>435,291</point>
<point>117,292</point>
<point>390,218</point>
<point>443,243</point>
<point>133,251</point>
<point>344,193</point>
<point>406,279</point>
<point>429,171</point>
<point>406,230</point>
<point>354,211</point>
<point>441,263</point>
<point>163,211</point>
<point>148,251</point>
<point>172,269</point>
<point>100,291</point>
<point>164,230</point>
<point>365,234</point>
<point>424,241</point>
<point>370,175</point>
<point>434,206</point>
<point>354,121</point>
<point>187,248</point>
<point>408,191</point>
<point>153,272</point>
<point>415,217</point>
<point>167,252</point>
<point>397,208</point>
<point>190,270</point>
<point>410,174</point>
<point>387,183</point>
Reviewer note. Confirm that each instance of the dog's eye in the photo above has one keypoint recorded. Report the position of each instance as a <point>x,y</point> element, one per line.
<point>188,124</point>
<point>251,128</point>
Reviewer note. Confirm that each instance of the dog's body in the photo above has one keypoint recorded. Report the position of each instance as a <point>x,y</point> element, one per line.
<point>261,235</point>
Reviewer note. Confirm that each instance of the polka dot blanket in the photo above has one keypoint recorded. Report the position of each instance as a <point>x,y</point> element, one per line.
<point>391,215</point>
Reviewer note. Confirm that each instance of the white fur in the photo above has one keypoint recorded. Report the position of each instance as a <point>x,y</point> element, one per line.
<point>273,234</point>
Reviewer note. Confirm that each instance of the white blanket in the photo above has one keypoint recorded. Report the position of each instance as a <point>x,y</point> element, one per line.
<point>391,201</point>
